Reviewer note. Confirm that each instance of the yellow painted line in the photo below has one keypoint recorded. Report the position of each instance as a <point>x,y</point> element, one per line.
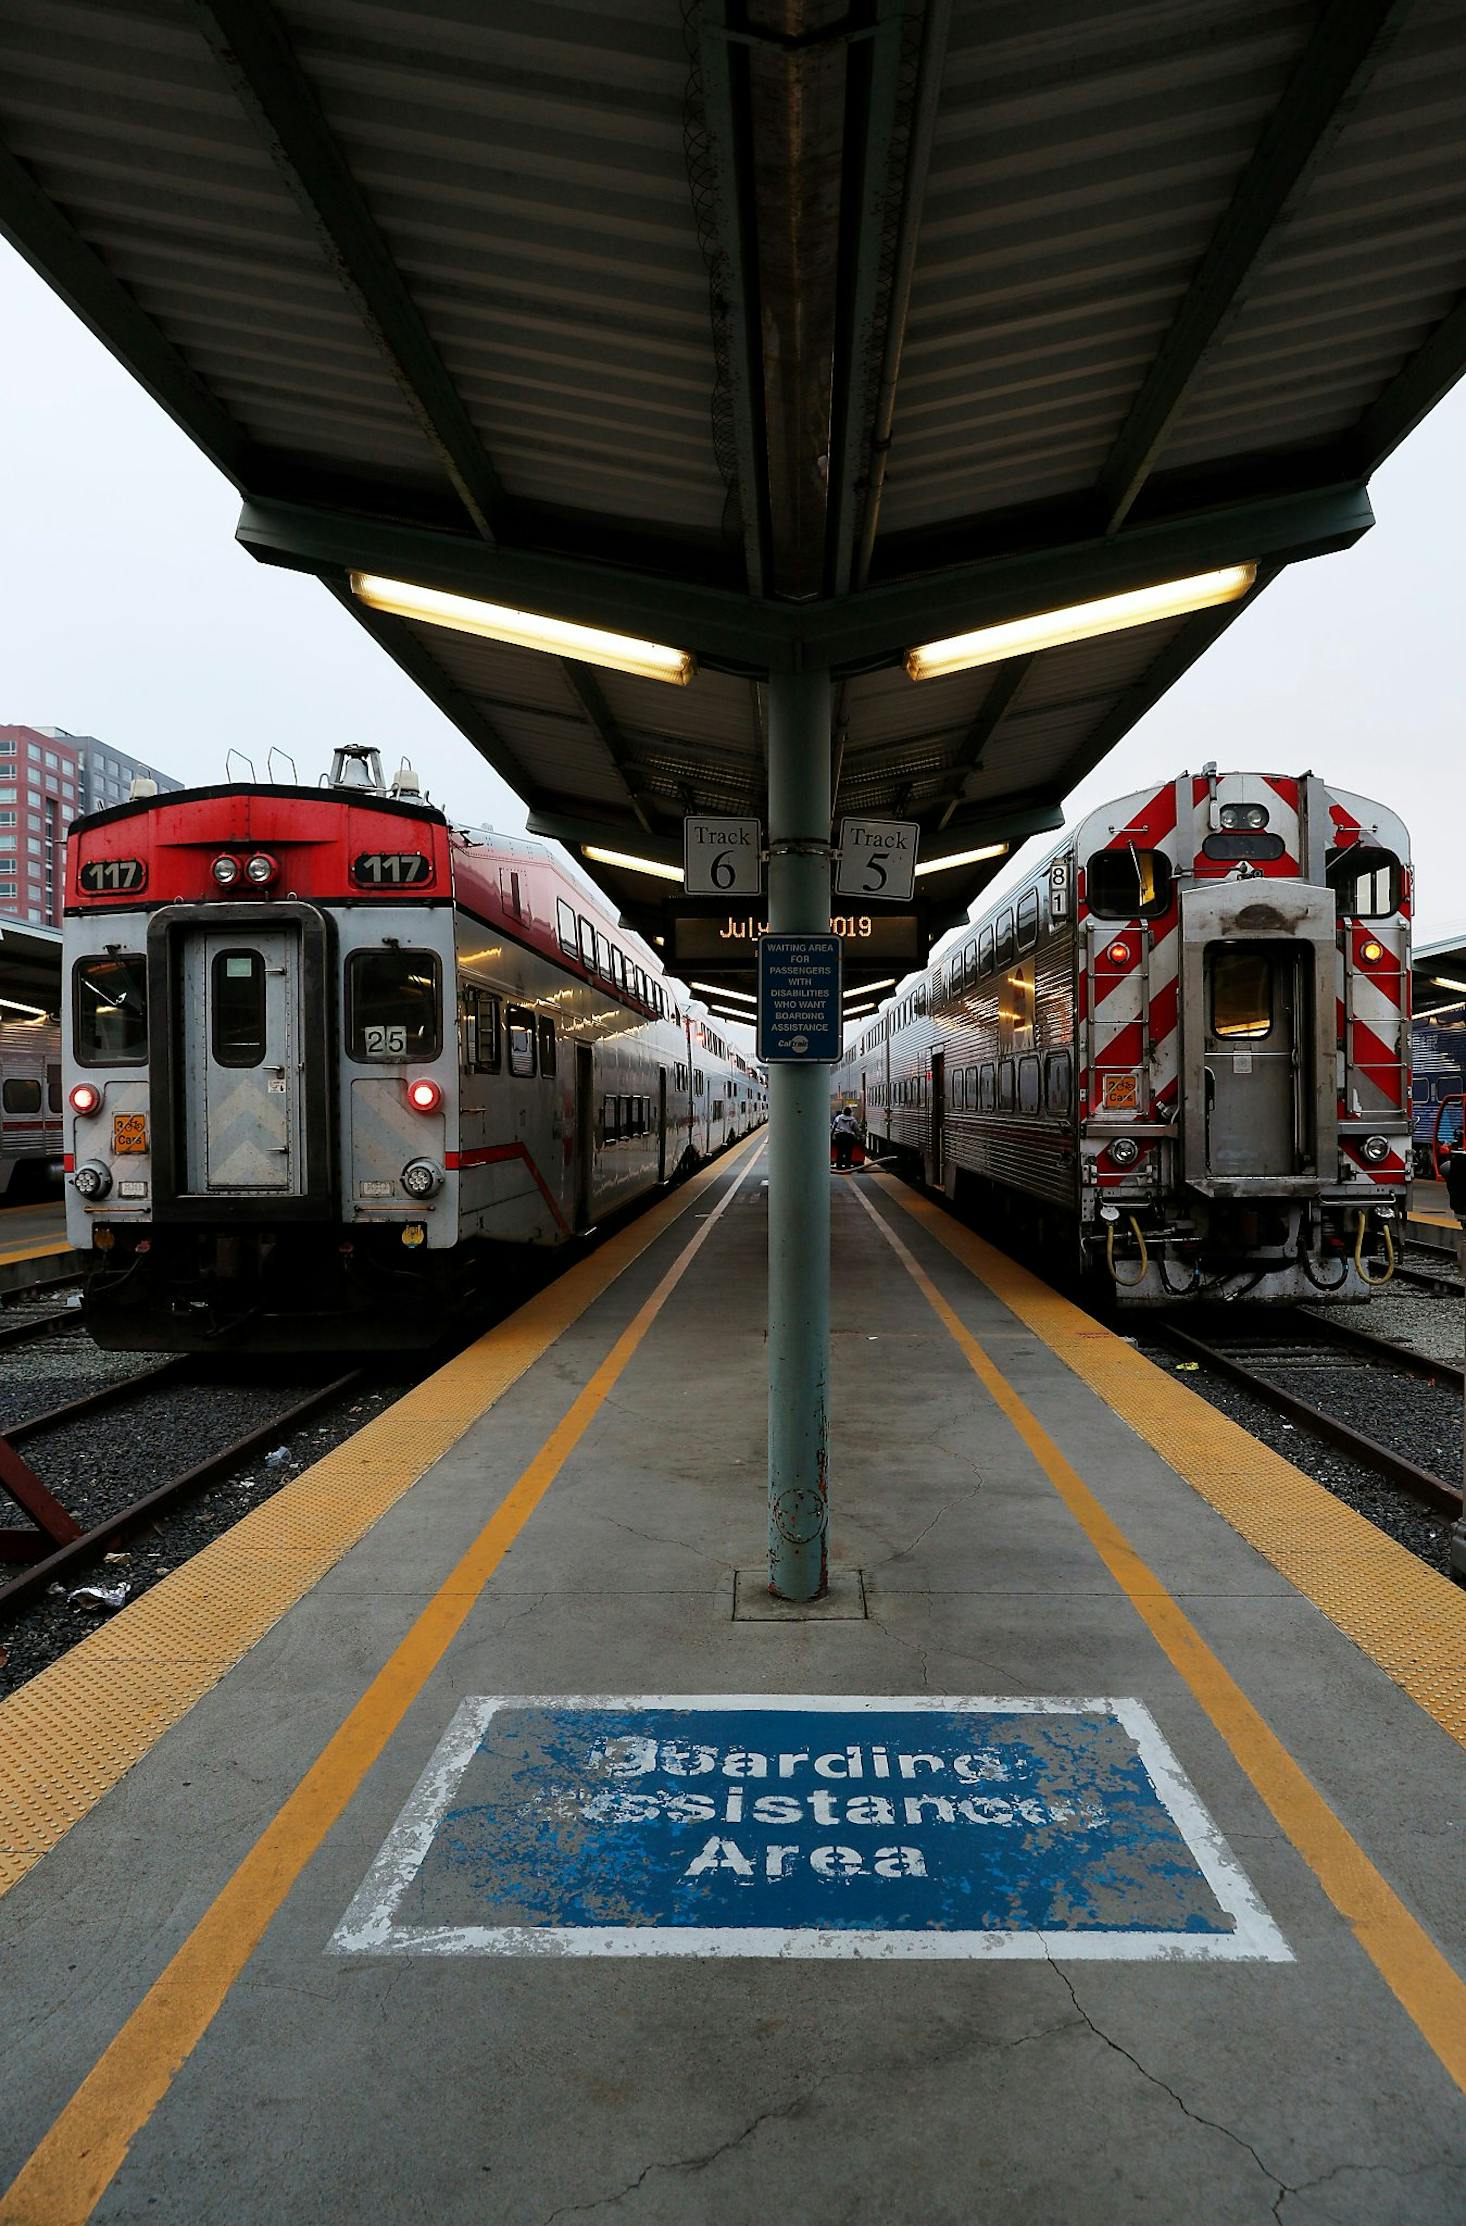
<point>68,1736</point>
<point>11,1255</point>
<point>1437,1220</point>
<point>1429,1990</point>
<point>1408,1619</point>
<point>74,2164</point>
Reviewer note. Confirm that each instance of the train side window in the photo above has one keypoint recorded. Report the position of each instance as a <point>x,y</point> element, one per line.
<point>1003,940</point>
<point>547,1044</point>
<point>1128,884</point>
<point>565,916</point>
<point>1029,1083</point>
<point>587,945</point>
<point>1241,995</point>
<point>1027,918</point>
<point>238,1008</point>
<point>985,951</point>
<point>973,1100</point>
<point>618,968</point>
<point>603,955</point>
<point>110,1007</point>
<point>53,1089</point>
<point>1059,1082</point>
<point>519,1028</point>
<point>393,1004</point>
<point>20,1094</point>
<point>1367,882</point>
<point>1005,1085</point>
<point>484,1035</point>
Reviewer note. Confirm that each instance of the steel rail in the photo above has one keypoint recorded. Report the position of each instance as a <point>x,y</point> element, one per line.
<point>95,1402</point>
<point>15,1333</point>
<point>1393,1467</point>
<point>39,1574</point>
<point>1385,1349</point>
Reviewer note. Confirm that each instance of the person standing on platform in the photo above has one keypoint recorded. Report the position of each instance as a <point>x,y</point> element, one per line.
<point>844,1135</point>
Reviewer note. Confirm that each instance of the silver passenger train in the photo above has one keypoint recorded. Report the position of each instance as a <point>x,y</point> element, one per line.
<point>1180,1050</point>
<point>329,1058</point>
<point>30,1105</point>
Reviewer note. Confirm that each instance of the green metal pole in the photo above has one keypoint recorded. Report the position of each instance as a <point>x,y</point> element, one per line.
<point>799,1155</point>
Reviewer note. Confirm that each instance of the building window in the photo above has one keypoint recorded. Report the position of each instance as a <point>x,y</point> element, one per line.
<point>33,752</point>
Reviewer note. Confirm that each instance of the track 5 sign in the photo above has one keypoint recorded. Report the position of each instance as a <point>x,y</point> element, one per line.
<point>877,859</point>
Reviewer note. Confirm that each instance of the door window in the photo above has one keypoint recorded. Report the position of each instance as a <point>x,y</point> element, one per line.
<point>394,1005</point>
<point>238,1008</point>
<point>519,1028</point>
<point>111,1008</point>
<point>1241,995</point>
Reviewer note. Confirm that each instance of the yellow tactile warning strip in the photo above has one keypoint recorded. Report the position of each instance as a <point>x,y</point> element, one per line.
<point>73,2165</point>
<point>76,1728</point>
<point>1428,1989</point>
<point>1404,1616</point>
<point>12,1254</point>
<point>1437,1220</point>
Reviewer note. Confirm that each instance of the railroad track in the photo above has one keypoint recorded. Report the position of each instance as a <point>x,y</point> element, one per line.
<point>1253,1357</point>
<point>68,1553</point>
<point>1439,1276</point>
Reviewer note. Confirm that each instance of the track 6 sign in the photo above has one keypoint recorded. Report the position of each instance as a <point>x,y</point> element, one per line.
<point>722,857</point>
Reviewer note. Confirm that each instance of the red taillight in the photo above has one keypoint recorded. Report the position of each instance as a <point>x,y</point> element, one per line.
<point>424,1096</point>
<point>1118,954</point>
<point>1371,952</point>
<point>85,1097</point>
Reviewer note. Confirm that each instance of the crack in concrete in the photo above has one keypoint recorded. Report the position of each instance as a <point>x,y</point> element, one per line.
<point>1155,2080</point>
<point>699,2163</point>
<point>657,1538</point>
<point>904,1553</point>
<point>1335,2171</point>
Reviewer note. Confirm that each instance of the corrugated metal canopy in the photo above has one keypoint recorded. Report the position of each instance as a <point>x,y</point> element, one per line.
<point>782,331</point>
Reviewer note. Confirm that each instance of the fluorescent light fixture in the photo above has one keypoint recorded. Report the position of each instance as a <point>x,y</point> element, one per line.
<point>560,637</point>
<point>963,858</point>
<point>860,1012</point>
<point>867,988</point>
<point>624,859</point>
<point>1443,981</point>
<point>1110,614</point>
<point>32,1012</point>
<point>745,996</point>
<point>1434,1012</point>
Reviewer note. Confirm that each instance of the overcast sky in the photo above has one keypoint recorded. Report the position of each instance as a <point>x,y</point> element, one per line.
<point>127,611</point>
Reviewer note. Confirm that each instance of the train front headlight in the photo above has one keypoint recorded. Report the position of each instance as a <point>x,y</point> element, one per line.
<point>92,1181</point>
<point>1124,1151</point>
<point>1374,1149</point>
<point>225,871</point>
<point>421,1178</point>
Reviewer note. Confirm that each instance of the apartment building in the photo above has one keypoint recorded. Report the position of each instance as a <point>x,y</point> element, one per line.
<point>48,778</point>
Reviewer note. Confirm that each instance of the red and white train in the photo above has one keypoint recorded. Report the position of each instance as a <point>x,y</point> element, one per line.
<point>1181,1047</point>
<point>324,1053</point>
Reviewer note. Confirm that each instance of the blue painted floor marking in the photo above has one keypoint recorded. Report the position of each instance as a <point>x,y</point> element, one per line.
<point>752,1825</point>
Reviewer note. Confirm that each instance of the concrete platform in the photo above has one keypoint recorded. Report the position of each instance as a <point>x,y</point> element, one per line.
<point>33,1246</point>
<point>271,1971</point>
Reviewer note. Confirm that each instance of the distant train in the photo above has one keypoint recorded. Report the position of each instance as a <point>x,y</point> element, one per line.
<point>324,1052</point>
<point>1180,1050</point>
<point>30,1106</point>
<point>1437,1085</point>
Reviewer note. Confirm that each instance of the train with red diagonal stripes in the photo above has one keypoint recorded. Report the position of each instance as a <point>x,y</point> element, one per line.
<point>1179,1050</point>
<point>332,1061</point>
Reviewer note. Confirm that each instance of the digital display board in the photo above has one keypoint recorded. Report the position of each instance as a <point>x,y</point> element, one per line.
<point>728,941</point>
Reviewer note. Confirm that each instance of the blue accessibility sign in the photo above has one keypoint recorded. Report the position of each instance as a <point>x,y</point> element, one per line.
<point>799,998</point>
<point>751,1825</point>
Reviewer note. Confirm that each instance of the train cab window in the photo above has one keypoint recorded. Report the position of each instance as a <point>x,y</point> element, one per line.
<point>587,945</point>
<point>1059,1081</point>
<point>1367,882</point>
<point>53,1089</point>
<point>1003,940</point>
<point>237,1004</point>
<point>1128,884</point>
<point>1027,919</point>
<point>547,1044</point>
<point>603,955</point>
<point>565,917</point>
<point>1005,1085</point>
<point>20,1094</point>
<point>519,1030</point>
<point>483,1043</point>
<point>1029,1083</point>
<point>985,951</point>
<point>1241,995</point>
<point>393,1004</point>
<point>110,1006</point>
